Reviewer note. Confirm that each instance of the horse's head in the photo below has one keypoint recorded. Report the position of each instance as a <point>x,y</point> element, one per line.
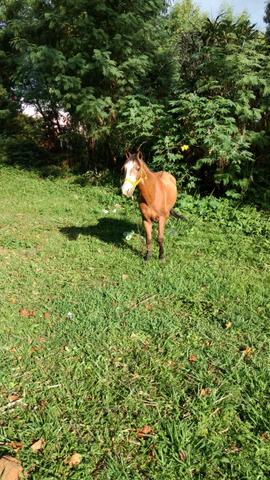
<point>133,173</point>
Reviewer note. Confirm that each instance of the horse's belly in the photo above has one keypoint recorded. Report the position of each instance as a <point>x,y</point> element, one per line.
<point>149,213</point>
<point>154,213</point>
<point>162,200</point>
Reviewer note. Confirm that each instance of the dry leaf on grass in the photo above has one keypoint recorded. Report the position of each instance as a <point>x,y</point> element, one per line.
<point>41,339</point>
<point>14,397</point>
<point>10,468</point>
<point>46,314</point>
<point>124,276</point>
<point>192,358</point>
<point>35,349</point>
<point>27,313</point>
<point>145,431</point>
<point>182,455</point>
<point>15,445</point>
<point>205,391</point>
<point>247,352</point>
<point>233,449</point>
<point>38,445</point>
<point>74,460</point>
<point>148,306</point>
<point>42,404</point>
<point>228,325</point>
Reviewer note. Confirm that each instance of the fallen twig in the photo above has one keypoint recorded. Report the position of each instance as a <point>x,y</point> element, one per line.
<point>12,404</point>
<point>141,301</point>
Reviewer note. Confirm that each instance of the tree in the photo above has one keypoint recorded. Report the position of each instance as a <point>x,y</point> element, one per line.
<point>186,22</point>
<point>220,105</point>
<point>134,73</point>
<point>87,57</point>
<point>8,101</point>
<point>267,20</point>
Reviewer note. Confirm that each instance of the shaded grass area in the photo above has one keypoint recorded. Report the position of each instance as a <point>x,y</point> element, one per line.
<point>113,344</point>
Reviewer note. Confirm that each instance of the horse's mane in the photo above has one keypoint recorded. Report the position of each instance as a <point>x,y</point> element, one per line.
<point>143,165</point>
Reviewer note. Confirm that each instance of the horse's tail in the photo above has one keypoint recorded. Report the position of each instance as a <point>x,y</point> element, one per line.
<point>177,215</point>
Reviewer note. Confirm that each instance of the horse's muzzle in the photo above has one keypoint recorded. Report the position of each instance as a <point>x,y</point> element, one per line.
<point>127,190</point>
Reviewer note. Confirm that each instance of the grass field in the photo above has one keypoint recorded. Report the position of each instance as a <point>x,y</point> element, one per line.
<point>148,371</point>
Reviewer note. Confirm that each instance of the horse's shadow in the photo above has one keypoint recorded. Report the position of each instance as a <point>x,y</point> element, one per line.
<point>108,230</point>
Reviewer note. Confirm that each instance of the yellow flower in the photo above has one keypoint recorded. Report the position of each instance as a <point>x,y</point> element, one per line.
<point>184,148</point>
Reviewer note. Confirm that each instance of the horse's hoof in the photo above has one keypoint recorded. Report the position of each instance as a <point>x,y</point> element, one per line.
<point>147,257</point>
<point>162,259</point>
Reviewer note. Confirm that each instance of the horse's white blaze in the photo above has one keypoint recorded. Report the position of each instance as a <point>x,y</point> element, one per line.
<point>127,187</point>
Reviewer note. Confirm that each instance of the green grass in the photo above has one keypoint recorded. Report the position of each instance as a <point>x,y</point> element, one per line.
<point>182,347</point>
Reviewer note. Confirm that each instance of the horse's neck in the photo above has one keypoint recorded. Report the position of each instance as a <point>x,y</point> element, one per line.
<point>146,172</point>
<point>147,185</point>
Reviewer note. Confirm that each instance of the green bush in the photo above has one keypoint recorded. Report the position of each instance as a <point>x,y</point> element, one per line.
<point>18,151</point>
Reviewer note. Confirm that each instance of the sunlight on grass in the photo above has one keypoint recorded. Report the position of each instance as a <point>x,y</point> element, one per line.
<point>97,344</point>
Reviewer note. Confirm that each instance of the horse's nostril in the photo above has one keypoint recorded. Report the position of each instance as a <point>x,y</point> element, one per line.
<point>124,191</point>
<point>127,192</point>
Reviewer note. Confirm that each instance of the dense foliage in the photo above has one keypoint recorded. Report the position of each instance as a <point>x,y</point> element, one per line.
<point>220,106</point>
<point>193,93</point>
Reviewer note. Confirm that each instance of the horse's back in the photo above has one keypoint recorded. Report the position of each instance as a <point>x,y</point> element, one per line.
<point>167,178</point>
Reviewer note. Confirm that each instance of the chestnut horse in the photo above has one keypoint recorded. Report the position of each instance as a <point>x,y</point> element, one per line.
<point>157,197</point>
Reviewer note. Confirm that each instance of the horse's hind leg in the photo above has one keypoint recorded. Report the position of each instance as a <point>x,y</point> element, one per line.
<point>161,227</point>
<point>148,234</point>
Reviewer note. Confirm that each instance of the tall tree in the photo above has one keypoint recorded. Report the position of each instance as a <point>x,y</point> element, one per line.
<point>86,57</point>
<point>221,104</point>
<point>267,20</point>
<point>8,101</point>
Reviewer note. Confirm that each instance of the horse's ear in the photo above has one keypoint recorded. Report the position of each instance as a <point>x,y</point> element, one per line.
<point>127,154</point>
<point>139,155</point>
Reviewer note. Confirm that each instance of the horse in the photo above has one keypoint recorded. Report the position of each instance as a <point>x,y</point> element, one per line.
<point>158,194</point>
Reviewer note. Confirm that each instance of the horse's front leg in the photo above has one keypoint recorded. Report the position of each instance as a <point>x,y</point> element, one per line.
<point>148,234</point>
<point>161,227</point>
